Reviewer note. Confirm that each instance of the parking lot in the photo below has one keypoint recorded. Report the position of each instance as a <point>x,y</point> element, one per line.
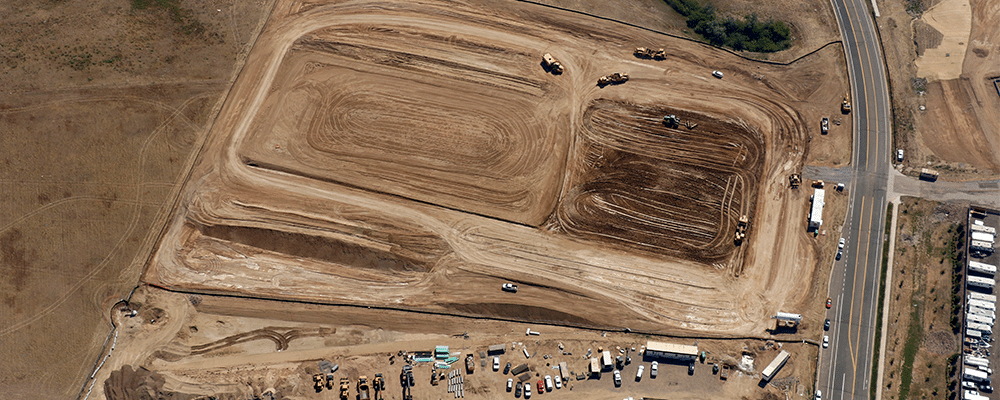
<point>980,306</point>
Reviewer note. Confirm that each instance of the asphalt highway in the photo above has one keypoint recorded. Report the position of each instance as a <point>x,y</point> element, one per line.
<point>846,366</point>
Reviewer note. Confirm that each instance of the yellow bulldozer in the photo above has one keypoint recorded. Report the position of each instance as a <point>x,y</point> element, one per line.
<point>741,229</point>
<point>345,388</point>
<point>615,78</point>
<point>551,63</point>
<point>645,52</point>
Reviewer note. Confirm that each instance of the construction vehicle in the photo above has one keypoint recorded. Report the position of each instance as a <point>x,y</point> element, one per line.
<point>845,106</point>
<point>794,180</point>
<point>643,52</point>
<point>551,63</point>
<point>741,229</point>
<point>818,184</point>
<point>379,384</point>
<point>319,380</point>
<point>470,364</point>
<point>363,387</point>
<point>345,388</point>
<point>615,78</point>
<point>671,121</point>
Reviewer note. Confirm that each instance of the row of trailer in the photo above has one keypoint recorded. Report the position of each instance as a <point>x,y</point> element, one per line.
<point>980,315</point>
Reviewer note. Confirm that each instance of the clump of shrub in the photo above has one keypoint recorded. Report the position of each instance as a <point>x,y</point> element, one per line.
<point>748,33</point>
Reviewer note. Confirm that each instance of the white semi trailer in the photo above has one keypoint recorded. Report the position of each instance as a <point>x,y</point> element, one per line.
<point>978,281</point>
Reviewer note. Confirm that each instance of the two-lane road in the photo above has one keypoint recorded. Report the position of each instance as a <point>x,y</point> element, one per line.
<point>845,367</point>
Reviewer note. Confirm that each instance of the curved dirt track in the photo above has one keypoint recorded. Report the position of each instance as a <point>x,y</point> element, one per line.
<point>346,168</point>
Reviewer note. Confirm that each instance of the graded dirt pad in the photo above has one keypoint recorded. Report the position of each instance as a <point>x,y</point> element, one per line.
<point>91,162</point>
<point>959,133</point>
<point>350,172</point>
<point>224,347</point>
<point>667,190</point>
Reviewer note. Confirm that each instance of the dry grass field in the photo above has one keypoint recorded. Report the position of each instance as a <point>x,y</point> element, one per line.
<point>102,109</point>
<point>274,170</point>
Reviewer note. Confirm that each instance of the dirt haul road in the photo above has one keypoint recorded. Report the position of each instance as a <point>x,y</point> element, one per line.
<point>416,155</point>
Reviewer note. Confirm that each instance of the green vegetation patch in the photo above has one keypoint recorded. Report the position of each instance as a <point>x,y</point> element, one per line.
<point>913,336</point>
<point>748,33</point>
<point>189,25</point>
<point>881,302</point>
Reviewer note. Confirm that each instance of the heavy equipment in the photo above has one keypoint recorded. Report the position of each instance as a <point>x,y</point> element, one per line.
<point>794,180</point>
<point>319,380</point>
<point>551,63</point>
<point>345,388</point>
<point>671,121</point>
<point>379,384</point>
<point>741,229</point>
<point>643,52</point>
<point>845,106</point>
<point>470,364</point>
<point>363,387</point>
<point>615,78</point>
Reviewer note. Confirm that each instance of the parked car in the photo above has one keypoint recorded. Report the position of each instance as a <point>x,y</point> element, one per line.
<point>510,384</point>
<point>826,341</point>
<point>840,253</point>
<point>509,287</point>
<point>618,378</point>
<point>825,125</point>
<point>541,386</point>
<point>638,374</point>
<point>826,325</point>
<point>558,382</point>
<point>841,244</point>
<point>506,369</point>
<point>691,369</point>
<point>819,395</point>
<point>717,74</point>
<point>527,391</point>
<point>548,383</point>
<point>829,302</point>
<point>899,155</point>
<point>653,369</point>
<point>986,388</point>
<point>969,385</point>
<point>496,363</point>
<point>517,389</point>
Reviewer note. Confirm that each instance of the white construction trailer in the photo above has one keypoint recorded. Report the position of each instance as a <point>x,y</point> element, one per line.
<point>983,237</point>
<point>775,365</point>
<point>816,214</point>
<point>982,268</point>
<point>983,304</point>
<point>979,281</point>
<point>975,375</point>
<point>985,329</point>
<point>977,361</point>
<point>983,228</point>
<point>981,296</point>
<point>983,312</point>
<point>981,246</point>
<point>979,319</point>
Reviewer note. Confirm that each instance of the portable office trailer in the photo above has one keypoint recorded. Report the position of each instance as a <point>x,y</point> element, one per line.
<point>977,361</point>
<point>979,281</point>
<point>982,268</point>
<point>979,319</point>
<point>985,329</point>
<point>983,312</point>
<point>974,375</point>
<point>983,304</point>
<point>981,246</point>
<point>981,296</point>
<point>973,333</point>
<point>983,237</point>
<point>775,365</point>
<point>983,228</point>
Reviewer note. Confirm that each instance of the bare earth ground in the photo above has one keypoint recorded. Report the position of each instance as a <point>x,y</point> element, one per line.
<point>921,294</point>
<point>956,51</point>
<point>101,109</point>
<point>238,348</point>
<point>274,211</point>
<point>813,26</point>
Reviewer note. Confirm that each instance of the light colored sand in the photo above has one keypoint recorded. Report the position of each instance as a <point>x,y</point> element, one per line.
<point>953,18</point>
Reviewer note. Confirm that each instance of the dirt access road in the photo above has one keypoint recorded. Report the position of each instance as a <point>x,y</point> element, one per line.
<point>348,169</point>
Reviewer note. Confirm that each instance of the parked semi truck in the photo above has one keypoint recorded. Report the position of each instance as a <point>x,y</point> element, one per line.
<point>975,375</point>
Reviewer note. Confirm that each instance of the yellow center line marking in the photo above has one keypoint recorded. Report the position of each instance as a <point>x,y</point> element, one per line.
<point>850,343</point>
<point>864,282</point>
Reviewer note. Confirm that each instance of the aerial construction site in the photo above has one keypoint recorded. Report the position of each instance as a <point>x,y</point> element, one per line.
<point>381,168</point>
